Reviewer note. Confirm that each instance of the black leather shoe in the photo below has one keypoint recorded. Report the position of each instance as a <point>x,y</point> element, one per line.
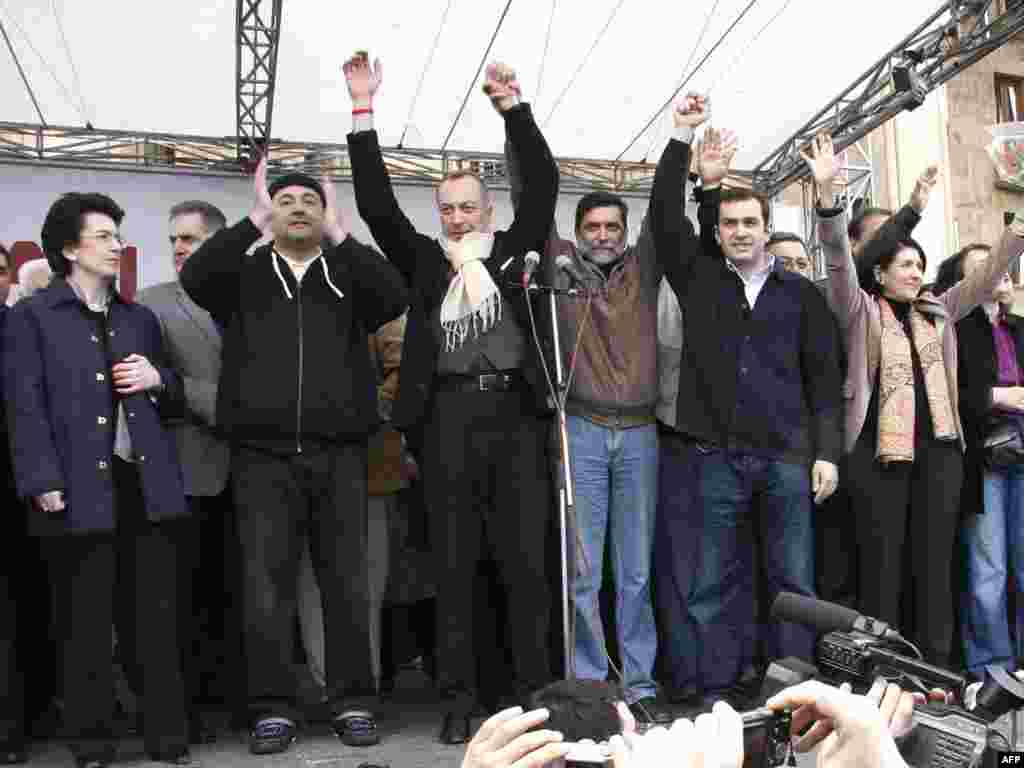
<point>356,728</point>
<point>652,710</point>
<point>455,728</point>
<point>91,762</point>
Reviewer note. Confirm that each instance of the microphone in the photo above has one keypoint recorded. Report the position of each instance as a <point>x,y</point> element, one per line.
<point>532,260</point>
<point>828,617</point>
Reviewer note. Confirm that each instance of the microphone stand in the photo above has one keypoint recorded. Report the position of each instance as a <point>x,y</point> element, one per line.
<point>566,494</point>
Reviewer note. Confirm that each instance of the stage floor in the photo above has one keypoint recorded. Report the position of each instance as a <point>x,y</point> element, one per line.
<point>409,725</point>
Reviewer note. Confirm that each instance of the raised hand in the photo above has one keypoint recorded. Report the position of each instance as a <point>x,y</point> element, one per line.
<point>820,156</point>
<point>363,80</point>
<point>715,156</point>
<point>264,206</point>
<point>691,111</point>
<point>923,188</point>
<point>334,221</point>
<point>501,86</point>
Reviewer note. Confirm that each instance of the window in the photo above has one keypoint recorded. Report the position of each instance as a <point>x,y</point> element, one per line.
<point>1009,101</point>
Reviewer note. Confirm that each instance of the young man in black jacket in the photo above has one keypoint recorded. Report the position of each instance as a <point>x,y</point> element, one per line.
<point>297,398</point>
<point>759,399</point>
<point>470,378</point>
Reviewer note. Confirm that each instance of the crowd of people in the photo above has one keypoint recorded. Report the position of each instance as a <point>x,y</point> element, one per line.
<point>207,483</point>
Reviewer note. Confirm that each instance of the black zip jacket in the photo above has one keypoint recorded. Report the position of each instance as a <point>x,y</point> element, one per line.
<point>296,368</point>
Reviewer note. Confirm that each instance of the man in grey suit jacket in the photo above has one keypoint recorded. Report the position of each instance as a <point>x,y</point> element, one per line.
<point>211,643</point>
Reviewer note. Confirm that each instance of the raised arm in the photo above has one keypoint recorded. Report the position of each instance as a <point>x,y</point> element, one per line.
<point>714,158</point>
<point>977,287</point>
<point>675,242</point>
<point>844,294</point>
<point>375,196</point>
<point>535,169</point>
<point>211,275</point>
<point>380,291</point>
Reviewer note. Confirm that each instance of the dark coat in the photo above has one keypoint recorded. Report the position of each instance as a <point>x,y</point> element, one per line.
<point>785,345</point>
<point>978,372</point>
<point>422,261</point>
<point>296,365</point>
<point>61,415</point>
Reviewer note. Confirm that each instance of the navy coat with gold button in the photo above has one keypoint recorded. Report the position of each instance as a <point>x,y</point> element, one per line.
<point>61,416</point>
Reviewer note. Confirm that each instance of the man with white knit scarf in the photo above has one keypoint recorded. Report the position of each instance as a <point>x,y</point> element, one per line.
<point>471,386</point>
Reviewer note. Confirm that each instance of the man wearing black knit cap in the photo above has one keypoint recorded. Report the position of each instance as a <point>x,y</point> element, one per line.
<point>297,398</point>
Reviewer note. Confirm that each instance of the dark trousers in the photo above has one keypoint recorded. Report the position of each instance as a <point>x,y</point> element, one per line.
<point>210,607</point>
<point>677,533</point>
<point>906,521</point>
<point>746,499</point>
<point>488,493</point>
<point>284,504</point>
<point>12,691</point>
<point>128,577</point>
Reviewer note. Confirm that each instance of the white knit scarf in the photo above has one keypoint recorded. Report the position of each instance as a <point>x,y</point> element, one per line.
<point>473,299</point>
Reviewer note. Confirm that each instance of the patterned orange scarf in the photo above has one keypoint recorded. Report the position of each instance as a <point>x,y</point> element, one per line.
<point>896,384</point>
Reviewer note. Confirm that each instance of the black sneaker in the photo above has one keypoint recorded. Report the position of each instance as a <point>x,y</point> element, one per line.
<point>271,735</point>
<point>356,728</point>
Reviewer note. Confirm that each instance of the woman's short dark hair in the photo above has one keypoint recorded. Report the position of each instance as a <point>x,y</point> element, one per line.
<point>593,200</point>
<point>880,252</point>
<point>951,271</point>
<point>65,220</point>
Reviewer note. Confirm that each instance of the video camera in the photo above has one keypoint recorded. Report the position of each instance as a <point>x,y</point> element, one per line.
<point>858,649</point>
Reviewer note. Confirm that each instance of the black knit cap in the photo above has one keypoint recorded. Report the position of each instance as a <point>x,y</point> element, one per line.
<point>297,180</point>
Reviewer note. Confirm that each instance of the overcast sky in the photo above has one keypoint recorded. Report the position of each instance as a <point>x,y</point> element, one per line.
<point>152,65</point>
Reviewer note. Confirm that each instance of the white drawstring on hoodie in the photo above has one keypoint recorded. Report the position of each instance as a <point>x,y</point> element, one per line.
<point>298,274</point>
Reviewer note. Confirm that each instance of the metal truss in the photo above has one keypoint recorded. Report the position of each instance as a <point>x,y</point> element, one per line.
<point>953,38</point>
<point>257,32</point>
<point>28,143</point>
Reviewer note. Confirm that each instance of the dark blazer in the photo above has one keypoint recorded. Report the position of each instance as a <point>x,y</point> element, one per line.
<point>422,261</point>
<point>977,373</point>
<point>193,345</point>
<point>60,413</point>
<point>785,344</point>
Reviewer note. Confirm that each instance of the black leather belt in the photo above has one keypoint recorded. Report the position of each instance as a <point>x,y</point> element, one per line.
<point>502,381</point>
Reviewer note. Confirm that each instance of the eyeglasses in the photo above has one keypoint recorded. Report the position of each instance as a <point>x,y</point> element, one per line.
<point>106,238</point>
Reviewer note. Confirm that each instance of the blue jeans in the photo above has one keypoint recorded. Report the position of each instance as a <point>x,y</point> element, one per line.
<point>615,472</point>
<point>746,499</point>
<point>994,540</point>
<point>677,563</point>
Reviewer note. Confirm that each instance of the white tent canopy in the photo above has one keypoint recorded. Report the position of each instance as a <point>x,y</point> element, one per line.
<point>595,81</point>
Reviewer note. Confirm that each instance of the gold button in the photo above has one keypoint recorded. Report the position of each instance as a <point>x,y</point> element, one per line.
<point>100,377</point>
<point>95,339</point>
<point>131,414</point>
<point>142,458</point>
<point>101,420</point>
<point>102,464</point>
<point>111,333</point>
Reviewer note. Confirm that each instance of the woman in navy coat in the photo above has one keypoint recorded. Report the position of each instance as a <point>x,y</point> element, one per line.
<point>86,394</point>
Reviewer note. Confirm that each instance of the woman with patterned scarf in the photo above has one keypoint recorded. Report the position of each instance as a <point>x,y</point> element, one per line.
<point>903,431</point>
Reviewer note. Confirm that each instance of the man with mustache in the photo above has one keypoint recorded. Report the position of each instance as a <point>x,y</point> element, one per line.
<point>471,380</point>
<point>610,339</point>
<point>296,397</point>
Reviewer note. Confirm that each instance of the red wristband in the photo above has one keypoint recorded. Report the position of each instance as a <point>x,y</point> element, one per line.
<point>363,111</point>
